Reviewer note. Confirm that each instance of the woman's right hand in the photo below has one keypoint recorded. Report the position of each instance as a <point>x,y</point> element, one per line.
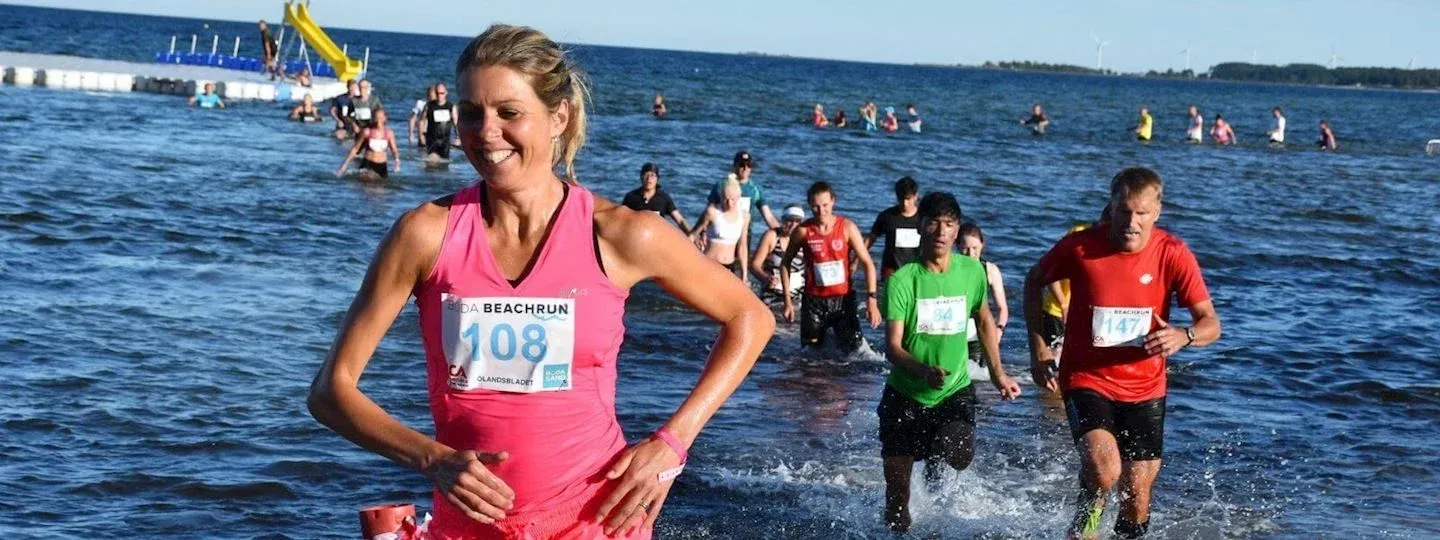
<point>470,486</point>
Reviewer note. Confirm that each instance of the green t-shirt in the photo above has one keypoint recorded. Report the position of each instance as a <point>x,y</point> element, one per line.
<point>935,309</point>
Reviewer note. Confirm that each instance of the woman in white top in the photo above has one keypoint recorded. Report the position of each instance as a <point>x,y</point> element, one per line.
<point>1197,126</point>
<point>729,231</point>
<point>972,244</point>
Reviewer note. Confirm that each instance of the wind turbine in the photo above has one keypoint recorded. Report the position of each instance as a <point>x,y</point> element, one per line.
<point>1254,56</point>
<point>1411,65</point>
<point>1333,57</point>
<point>1099,51</point>
<point>1186,52</point>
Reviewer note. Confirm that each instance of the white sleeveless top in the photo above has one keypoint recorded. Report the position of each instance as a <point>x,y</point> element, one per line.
<point>726,233</point>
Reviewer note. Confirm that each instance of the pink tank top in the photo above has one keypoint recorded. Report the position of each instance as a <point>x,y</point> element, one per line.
<point>528,368</point>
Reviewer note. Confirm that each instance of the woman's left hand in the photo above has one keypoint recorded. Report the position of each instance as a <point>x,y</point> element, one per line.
<point>638,493</point>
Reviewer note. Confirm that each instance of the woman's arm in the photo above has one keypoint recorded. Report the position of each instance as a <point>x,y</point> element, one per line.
<point>354,149</point>
<point>762,251</point>
<point>742,249</point>
<point>402,260</point>
<point>394,150</point>
<point>997,289</point>
<point>636,246</point>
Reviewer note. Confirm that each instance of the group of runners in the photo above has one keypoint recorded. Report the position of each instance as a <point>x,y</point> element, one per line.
<point>529,263</point>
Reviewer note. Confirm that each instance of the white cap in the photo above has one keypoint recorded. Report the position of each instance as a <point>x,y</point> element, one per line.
<point>795,212</point>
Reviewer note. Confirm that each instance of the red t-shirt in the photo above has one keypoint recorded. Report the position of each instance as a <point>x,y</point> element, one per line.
<point>1120,293</point>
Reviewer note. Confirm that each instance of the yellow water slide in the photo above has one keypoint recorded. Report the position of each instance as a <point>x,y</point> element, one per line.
<point>298,16</point>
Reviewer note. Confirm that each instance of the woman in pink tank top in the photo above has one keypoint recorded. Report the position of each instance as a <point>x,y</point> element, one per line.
<point>521,283</point>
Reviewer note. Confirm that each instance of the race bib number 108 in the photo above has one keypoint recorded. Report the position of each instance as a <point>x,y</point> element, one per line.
<point>508,344</point>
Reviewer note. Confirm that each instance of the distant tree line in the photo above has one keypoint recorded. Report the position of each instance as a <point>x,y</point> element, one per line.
<point>1318,74</point>
<point>1026,65</point>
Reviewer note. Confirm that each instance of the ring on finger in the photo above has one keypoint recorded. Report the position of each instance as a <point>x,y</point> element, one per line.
<point>645,506</point>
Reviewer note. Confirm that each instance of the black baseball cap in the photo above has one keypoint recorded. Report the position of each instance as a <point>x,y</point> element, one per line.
<point>649,167</point>
<point>742,158</point>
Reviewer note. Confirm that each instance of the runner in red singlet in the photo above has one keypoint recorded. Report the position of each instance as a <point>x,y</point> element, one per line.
<point>827,240</point>
<point>521,282</point>
<point>1123,275</point>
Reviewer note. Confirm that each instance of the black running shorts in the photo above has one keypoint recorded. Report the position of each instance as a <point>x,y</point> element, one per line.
<point>818,313</point>
<point>1139,428</point>
<point>910,429</point>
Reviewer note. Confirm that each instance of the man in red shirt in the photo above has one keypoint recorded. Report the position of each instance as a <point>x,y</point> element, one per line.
<point>1123,274</point>
<point>826,241</point>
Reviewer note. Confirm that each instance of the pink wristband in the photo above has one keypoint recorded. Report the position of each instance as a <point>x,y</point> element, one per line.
<point>665,435</point>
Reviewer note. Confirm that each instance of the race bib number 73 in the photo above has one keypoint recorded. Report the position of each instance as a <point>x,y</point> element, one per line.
<point>1119,326</point>
<point>508,344</point>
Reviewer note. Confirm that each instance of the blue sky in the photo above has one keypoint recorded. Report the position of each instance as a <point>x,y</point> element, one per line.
<point>1142,34</point>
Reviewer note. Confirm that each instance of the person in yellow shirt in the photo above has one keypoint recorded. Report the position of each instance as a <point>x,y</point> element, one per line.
<point>1142,130</point>
<point>1055,304</point>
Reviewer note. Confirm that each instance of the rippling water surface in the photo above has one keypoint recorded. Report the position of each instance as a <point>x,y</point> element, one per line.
<point>171,278</point>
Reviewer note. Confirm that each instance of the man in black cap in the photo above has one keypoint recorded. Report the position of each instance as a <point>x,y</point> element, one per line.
<point>650,197</point>
<point>751,196</point>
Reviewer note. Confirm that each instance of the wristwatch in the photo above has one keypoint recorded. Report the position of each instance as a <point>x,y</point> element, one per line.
<point>871,294</point>
<point>1190,335</point>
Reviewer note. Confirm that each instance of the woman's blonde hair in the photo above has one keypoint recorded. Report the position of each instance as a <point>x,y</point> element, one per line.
<point>555,79</point>
<point>732,185</point>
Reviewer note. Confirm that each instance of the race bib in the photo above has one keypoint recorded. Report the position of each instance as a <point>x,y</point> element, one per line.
<point>440,116</point>
<point>744,203</point>
<point>907,238</point>
<point>944,316</point>
<point>1119,326</point>
<point>831,273</point>
<point>362,113</point>
<point>508,344</point>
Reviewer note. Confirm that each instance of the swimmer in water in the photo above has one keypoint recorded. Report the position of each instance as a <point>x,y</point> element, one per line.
<point>658,109</point>
<point>1327,137</point>
<point>927,410</point>
<point>1145,126</point>
<point>890,123</point>
<point>1038,120</point>
<point>306,111</point>
<point>840,120</point>
<point>208,99</point>
<point>1221,132</point>
<point>867,116</point>
<point>377,141</point>
<point>817,118</point>
<point>1196,132</point>
<point>1277,133</point>
<point>914,121</point>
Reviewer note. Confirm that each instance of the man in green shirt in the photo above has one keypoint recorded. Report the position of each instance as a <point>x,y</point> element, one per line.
<point>928,407</point>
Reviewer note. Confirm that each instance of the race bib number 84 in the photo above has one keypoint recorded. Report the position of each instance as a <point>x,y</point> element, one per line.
<point>508,344</point>
<point>1119,327</point>
<point>944,316</point>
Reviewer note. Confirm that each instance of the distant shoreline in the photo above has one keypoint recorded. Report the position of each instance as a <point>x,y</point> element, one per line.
<point>1268,73</point>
